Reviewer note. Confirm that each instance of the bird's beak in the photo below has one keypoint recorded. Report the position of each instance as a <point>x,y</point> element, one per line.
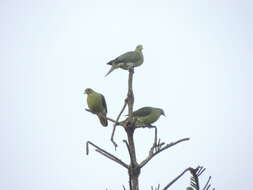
<point>164,114</point>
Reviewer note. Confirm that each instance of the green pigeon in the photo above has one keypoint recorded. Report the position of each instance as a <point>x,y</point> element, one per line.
<point>96,103</point>
<point>147,115</point>
<point>127,60</point>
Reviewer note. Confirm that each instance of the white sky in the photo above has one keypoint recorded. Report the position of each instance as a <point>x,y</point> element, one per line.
<point>198,68</point>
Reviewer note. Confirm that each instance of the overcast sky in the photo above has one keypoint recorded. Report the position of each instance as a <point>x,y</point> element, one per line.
<point>198,68</point>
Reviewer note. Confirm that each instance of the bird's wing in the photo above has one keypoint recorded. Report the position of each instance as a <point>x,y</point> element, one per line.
<point>104,102</point>
<point>142,112</point>
<point>129,57</point>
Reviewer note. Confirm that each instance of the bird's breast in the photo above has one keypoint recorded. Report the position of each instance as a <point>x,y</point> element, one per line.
<point>93,102</point>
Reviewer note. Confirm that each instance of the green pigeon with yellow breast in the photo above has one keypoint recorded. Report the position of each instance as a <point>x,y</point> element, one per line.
<point>147,115</point>
<point>97,104</point>
<point>127,60</point>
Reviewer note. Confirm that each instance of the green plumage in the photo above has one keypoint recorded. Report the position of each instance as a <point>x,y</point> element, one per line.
<point>127,60</point>
<point>97,104</point>
<point>147,115</point>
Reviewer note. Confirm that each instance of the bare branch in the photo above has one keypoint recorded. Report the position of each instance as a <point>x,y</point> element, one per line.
<point>194,179</point>
<point>127,145</point>
<point>200,170</point>
<point>117,123</point>
<point>206,186</point>
<point>134,169</point>
<point>106,154</point>
<point>151,155</point>
<point>130,94</point>
<point>174,180</point>
<point>155,142</point>
<point>112,158</point>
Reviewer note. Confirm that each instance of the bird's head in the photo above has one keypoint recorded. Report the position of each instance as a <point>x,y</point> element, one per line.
<point>88,91</point>
<point>162,112</point>
<point>139,48</point>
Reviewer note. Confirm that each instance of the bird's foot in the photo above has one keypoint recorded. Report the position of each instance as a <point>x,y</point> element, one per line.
<point>100,114</point>
<point>131,69</point>
<point>146,126</point>
<point>150,126</point>
<point>130,65</point>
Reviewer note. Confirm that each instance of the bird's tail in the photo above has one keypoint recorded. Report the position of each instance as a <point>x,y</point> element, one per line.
<point>111,69</point>
<point>103,120</point>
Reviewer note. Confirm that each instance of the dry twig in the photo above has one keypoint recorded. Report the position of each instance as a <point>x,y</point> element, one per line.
<point>160,149</point>
<point>194,179</point>
<point>174,180</point>
<point>106,154</point>
<point>117,123</point>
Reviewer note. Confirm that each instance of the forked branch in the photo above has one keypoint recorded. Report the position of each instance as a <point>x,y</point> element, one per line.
<point>174,180</point>
<point>160,149</point>
<point>106,154</point>
<point>117,123</point>
<point>194,179</point>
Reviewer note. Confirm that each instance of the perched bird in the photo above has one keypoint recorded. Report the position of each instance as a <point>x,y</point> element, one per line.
<point>96,103</point>
<point>127,60</point>
<point>147,115</point>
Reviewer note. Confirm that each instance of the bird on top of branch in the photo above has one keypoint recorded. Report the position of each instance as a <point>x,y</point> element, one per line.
<point>97,104</point>
<point>147,115</point>
<point>127,60</point>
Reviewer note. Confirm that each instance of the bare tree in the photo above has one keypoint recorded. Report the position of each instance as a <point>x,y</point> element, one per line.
<point>134,168</point>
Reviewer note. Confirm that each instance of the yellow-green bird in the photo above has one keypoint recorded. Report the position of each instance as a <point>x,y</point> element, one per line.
<point>147,115</point>
<point>127,60</point>
<point>97,104</point>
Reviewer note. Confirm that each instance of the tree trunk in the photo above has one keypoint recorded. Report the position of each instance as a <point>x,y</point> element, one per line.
<point>134,169</point>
